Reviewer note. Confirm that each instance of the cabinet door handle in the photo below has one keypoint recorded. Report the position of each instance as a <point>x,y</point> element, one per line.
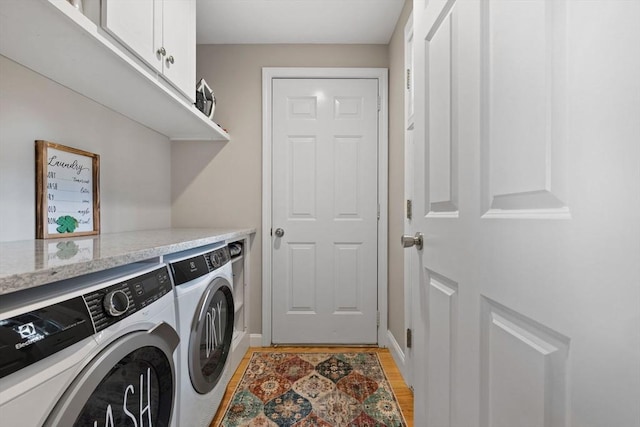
<point>170,59</point>
<point>161,51</point>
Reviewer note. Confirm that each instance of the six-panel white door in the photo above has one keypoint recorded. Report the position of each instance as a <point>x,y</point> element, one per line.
<point>324,199</point>
<point>527,191</point>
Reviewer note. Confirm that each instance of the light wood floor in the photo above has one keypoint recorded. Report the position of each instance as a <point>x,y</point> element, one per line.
<point>402,392</point>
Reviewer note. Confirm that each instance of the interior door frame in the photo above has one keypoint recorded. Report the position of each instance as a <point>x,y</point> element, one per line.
<point>409,256</point>
<point>381,74</point>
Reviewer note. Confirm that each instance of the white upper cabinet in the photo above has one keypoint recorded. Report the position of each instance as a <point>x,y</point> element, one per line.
<point>179,41</point>
<point>137,25</point>
<point>160,32</point>
<point>54,39</point>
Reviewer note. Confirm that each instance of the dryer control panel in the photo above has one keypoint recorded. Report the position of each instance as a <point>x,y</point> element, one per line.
<point>190,269</point>
<point>219,257</point>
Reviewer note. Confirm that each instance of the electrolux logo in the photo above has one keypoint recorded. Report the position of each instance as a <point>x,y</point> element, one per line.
<point>27,331</point>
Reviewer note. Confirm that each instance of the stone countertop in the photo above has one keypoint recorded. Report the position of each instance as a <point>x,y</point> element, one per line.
<point>30,263</point>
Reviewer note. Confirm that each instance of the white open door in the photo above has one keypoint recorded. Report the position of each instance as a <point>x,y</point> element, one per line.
<point>527,191</point>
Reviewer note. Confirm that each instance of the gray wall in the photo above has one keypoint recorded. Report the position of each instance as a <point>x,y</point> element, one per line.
<point>134,160</point>
<point>220,184</point>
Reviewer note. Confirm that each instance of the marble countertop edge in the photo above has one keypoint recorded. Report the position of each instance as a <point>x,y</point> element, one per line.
<point>31,263</point>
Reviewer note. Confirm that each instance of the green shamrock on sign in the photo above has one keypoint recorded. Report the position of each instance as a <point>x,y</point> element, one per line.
<point>67,224</point>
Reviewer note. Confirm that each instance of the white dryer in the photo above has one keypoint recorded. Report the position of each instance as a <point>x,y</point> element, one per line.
<point>202,281</point>
<point>98,350</point>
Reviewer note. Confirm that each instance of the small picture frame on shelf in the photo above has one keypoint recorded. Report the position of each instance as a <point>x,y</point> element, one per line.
<point>205,99</point>
<point>67,191</point>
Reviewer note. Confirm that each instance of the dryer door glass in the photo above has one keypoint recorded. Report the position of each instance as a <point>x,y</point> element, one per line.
<point>211,336</point>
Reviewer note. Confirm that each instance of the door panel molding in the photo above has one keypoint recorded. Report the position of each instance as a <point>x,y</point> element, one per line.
<point>345,187</point>
<point>347,279</point>
<point>301,181</point>
<point>442,135</point>
<point>517,349</point>
<point>346,109</point>
<point>442,303</point>
<point>524,138</point>
<point>302,258</point>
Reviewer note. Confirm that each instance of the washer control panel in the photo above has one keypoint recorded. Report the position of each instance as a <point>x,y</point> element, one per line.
<point>109,305</point>
<point>33,335</point>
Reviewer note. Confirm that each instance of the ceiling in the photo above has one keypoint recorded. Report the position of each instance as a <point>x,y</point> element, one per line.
<point>297,21</point>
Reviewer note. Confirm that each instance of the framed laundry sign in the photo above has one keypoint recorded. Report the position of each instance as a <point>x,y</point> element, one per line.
<point>67,191</point>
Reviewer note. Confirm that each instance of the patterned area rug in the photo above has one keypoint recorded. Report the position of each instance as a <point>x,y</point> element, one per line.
<point>314,389</point>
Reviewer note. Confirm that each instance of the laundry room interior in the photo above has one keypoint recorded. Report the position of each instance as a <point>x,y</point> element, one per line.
<point>319,213</point>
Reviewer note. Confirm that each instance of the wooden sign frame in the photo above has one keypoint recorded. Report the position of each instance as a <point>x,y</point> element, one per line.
<point>76,206</point>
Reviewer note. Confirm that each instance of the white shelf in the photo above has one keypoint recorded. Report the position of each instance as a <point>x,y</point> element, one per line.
<point>52,38</point>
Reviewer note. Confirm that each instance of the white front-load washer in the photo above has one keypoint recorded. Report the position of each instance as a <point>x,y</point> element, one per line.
<point>93,351</point>
<point>203,285</point>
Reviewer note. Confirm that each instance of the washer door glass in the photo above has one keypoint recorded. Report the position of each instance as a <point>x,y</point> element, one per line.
<point>138,390</point>
<point>211,336</point>
<point>129,383</point>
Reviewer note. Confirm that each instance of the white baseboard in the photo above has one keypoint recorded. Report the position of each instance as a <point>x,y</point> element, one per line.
<point>398,355</point>
<point>255,340</point>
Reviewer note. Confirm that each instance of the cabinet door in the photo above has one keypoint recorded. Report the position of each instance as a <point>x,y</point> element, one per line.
<point>136,24</point>
<point>179,40</point>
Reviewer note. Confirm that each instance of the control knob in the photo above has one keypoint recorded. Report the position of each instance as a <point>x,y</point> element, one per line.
<point>116,303</point>
<point>216,259</point>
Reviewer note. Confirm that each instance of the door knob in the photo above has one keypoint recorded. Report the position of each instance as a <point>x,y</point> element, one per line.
<point>170,59</point>
<point>409,241</point>
<point>161,52</point>
<point>279,232</point>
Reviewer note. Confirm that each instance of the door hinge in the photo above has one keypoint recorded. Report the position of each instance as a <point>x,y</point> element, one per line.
<point>379,103</point>
<point>271,232</point>
<point>409,338</point>
<point>408,78</point>
<point>377,318</point>
<point>409,209</point>
<point>378,211</point>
